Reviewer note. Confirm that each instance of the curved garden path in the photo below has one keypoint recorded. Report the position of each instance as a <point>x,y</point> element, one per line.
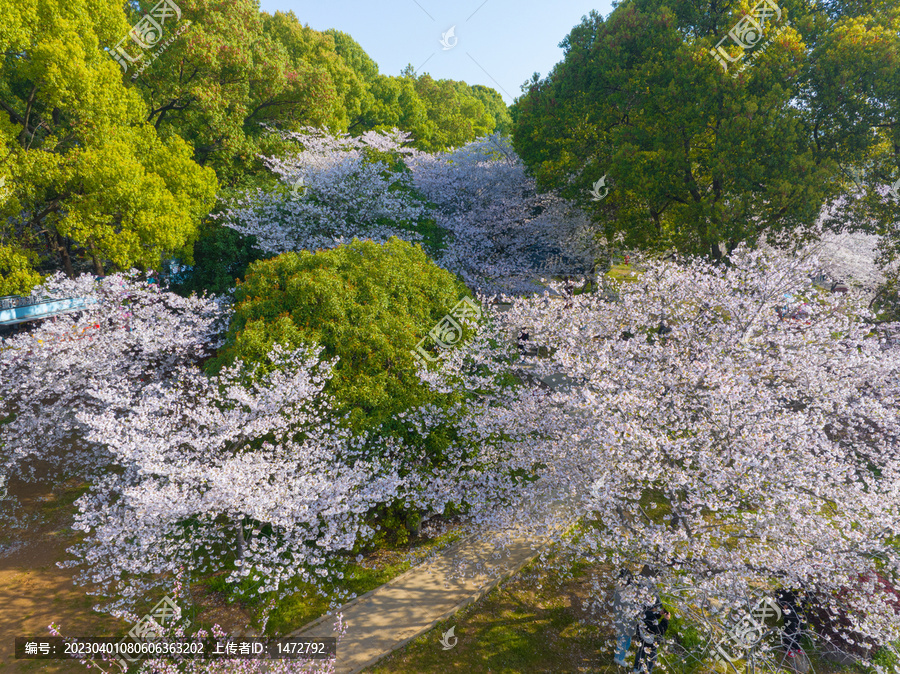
<point>390,616</point>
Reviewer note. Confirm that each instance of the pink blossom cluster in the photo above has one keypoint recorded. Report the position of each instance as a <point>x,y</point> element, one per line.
<point>131,333</point>
<point>712,439</point>
<point>346,193</point>
<point>499,228</point>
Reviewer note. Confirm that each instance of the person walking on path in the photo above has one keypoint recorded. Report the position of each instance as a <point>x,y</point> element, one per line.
<point>522,341</point>
<point>651,631</point>
<point>624,609</point>
<point>569,290</point>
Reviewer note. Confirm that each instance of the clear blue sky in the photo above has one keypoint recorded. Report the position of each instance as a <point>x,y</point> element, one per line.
<point>497,43</point>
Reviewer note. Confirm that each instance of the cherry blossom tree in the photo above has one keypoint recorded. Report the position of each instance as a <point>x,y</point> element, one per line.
<point>851,256</point>
<point>713,437</point>
<point>501,228</point>
<point>501,234</point>
<point>337,188</point>
<point>847,255</point>
<point>129,332</point>
<point>222,468</point>
<point>254,472</point>
<point>260,479</point>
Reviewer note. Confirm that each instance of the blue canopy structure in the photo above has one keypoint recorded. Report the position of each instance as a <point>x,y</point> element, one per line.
<point>15,309</point>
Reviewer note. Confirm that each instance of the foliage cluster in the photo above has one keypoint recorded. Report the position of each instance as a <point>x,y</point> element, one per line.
<point>106,168</point>
<point>699,158</point>
<point>367,304</point>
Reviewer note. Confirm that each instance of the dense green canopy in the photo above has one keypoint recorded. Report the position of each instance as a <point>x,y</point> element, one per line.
<point>85,176</point>
<point>440,114</point>
<point>694,155</point>
<point>366,303</point>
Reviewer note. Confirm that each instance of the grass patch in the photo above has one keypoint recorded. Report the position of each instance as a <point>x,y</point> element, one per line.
<point>623,273</point>
<point>531,623</point>
<point>63,505</point>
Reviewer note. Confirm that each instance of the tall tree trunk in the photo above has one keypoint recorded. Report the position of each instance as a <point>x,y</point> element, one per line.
<point>657,220</point>
<point>239,525</point>
<point>98,268</point>
<point>594,284</point>
<point>64,256</point>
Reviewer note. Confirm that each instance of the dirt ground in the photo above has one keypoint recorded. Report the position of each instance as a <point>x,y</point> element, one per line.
<point>34,592</point>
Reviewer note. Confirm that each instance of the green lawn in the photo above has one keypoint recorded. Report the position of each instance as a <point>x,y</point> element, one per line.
<point>530,623</point>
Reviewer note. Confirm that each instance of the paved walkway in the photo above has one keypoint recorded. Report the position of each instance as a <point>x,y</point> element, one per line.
<point>394,614</point>
<point>389,617</point>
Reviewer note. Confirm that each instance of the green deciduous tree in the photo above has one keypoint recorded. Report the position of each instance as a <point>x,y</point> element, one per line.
<point>237,67</point>
<point>221,257</point>
<point>396,104</point>
<point>495,107</point>
<point>17,274</point>
<point>455,115</point>
<point>307,46</point>
<point>695,155</point>
<point>86,178</point>
<point>366,303</point>
<point>439,114</point>
<point>354,55</point>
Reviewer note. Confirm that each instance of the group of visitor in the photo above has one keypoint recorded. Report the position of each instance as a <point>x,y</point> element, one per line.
<point>650,628</point>
<point>653,620</point>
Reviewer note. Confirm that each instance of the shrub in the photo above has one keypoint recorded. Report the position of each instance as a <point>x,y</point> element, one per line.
<point>367,303</point>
